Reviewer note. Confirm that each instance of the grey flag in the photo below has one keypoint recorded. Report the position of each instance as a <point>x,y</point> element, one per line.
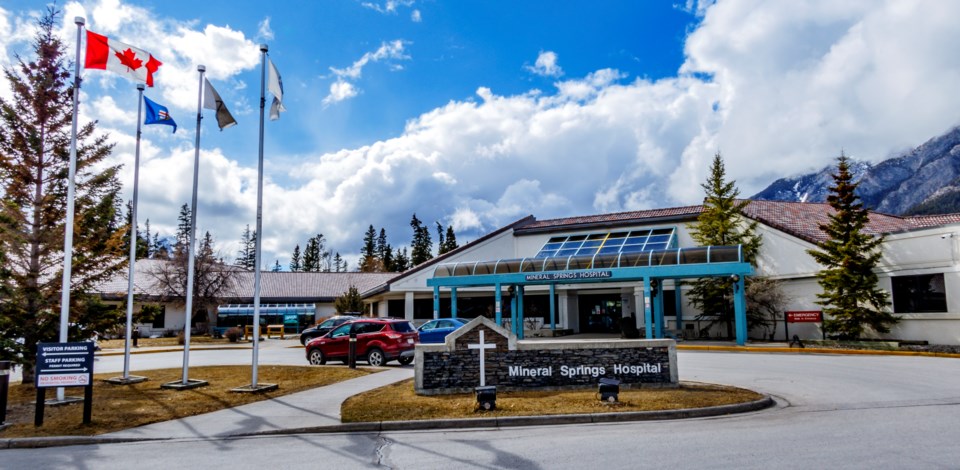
<point>212,100</point>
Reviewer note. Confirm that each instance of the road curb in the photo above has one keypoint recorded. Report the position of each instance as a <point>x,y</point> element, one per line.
<point>424,425</point>
<point>852,352</point>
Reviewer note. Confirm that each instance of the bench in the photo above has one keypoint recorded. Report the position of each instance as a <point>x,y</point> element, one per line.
<point>271,329</point>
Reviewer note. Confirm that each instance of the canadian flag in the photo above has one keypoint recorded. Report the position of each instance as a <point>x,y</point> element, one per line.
<point>108,54</point>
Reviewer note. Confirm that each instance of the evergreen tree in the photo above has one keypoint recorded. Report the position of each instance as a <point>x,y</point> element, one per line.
<point>721,223</point>
<point>450,243</point>
<point>441,242</point>
<point>246,256</point>
<point>311,256</point>
<point>316,257</point>
<point>159,248</point>
<point>338,264</point>
<point>182,242</point>
<point>851,299</point>
<point>296,264</point>
<point>368,253</point>
<point>276,266</point>
<point>401,262</point>
<point>384,252</point>
<point>421,246</point>
<point>349,302</point>
<point>35,128</point>
<point>146,237</point>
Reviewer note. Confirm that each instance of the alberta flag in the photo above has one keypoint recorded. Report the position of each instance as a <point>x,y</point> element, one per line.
<point>157,114</point>
<point>109,54</point>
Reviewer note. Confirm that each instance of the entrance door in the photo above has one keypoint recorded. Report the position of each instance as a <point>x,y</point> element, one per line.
<point>600,313</point>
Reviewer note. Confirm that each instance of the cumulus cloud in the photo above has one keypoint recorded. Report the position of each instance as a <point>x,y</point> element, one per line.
<point>779,87</point>
<point>343,88</point>
<point>415,16</point>
<point>264,31</point>
<point>389,7</point>
<point>546,65</point>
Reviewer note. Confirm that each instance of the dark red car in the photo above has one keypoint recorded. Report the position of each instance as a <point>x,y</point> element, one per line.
<point>379,341</point>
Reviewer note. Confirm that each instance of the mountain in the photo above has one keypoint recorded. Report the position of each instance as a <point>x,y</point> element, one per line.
<point>925,180</point>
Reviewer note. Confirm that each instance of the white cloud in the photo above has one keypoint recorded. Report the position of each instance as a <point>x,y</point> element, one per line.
<point>344,89</point>
<point>415,16</point>
<point>778,87</point>
<point>546,65</point>
<point>389,7</point>
<point>264,31</point>
<point>339,91</point>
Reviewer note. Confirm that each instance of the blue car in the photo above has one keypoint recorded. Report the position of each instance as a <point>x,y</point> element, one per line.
<point>435,331</point>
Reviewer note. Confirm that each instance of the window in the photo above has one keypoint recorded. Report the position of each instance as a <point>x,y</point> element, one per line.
<point>402,327</point>
<point>919,294</point>
<point>371,327</point>
<point>428,325</point>
<point>343,330</point>
<point>609,243</point>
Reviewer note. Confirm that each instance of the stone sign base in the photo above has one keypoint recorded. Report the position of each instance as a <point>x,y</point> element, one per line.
<point>509,364</point>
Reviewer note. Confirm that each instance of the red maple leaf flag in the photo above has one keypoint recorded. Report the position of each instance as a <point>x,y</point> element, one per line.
<point>109,54</point>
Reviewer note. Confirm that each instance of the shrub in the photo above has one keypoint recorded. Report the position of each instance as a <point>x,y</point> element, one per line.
<point>233,334</point>
<point>180,338</point>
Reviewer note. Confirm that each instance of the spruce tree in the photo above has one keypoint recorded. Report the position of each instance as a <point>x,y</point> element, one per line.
<point>401,262</point>
<point>276,266</point>
<point>384,252</point>
<point>182,242</point>
<point>721,223</point>
<point>421,246</point>
<point>311,256</point>
<point>296,263</point>
<point>441,242</point>
<point>246,255</point>
<point>851,299</point>
<point>451,240</point>
<point>349,302</point>
<point>368,252</point>
<point>338,264</point>
<point>35,128</point>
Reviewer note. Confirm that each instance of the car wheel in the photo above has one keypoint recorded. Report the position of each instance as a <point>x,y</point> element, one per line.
<point>375,357</point>
<point>405,361</point>
<point>317,358</point>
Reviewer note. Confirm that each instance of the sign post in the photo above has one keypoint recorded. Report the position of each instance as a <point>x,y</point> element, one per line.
<point>800,316</point>
<point>64,365</point>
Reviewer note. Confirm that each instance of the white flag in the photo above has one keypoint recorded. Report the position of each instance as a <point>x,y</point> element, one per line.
<point>212,100</point>
<point>275,85</point>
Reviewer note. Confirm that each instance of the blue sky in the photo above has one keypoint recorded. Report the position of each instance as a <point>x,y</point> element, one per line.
<point>477,114</point>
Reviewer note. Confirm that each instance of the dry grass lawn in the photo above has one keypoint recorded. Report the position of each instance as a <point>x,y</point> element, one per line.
<point>399,402</point>
<point>117,407</point>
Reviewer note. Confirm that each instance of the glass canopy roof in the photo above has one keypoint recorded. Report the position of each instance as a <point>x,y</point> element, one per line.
<point>623,259</point>
<point>609,243</point>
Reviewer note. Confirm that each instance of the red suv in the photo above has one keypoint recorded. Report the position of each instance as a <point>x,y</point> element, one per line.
<point>379,341</point>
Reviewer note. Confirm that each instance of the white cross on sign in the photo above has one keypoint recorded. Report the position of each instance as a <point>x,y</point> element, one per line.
<point>481,347</point>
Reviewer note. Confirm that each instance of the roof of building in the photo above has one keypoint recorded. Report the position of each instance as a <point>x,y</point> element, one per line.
<point>274,286</point>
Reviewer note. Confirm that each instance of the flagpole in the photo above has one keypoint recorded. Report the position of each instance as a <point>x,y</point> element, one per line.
<point>255,385</point>
<point>187,383</point>
<point>71,195</point>
<point>127,379</point>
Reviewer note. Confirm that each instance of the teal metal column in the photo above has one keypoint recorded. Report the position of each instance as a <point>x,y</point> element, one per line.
<point>553,307</point>
<point>513,311</point>
<point>520,312</point>
<point>436,302</point>
<point>647,320</point>
<point>658,308</point>
<point>678,301</point>
<point>498,298</point>
<point>740,311</point>
<point>453,302</point>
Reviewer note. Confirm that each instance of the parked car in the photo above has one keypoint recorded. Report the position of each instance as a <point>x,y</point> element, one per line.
<point>324,327</point>
<point>436,331</point>
<point>379,341</point>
